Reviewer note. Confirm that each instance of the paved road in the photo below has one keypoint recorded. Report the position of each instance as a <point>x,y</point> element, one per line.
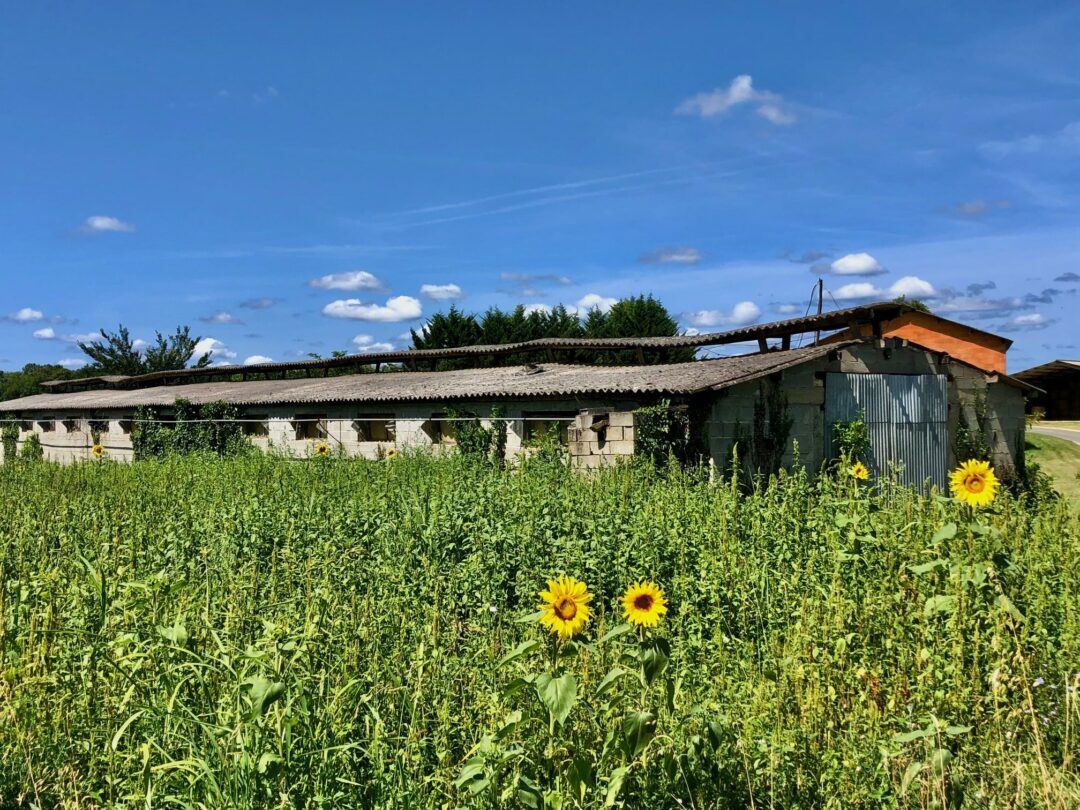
<point>1061,433</point>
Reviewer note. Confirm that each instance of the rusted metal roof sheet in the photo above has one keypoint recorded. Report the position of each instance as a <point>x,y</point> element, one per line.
<point>534,381</point>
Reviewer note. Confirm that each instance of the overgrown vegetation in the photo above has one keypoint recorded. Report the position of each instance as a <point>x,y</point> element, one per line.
<point>260,632</point>
<point>662,431</point>
<point>851,439</point>
<point>209,428</point>
<point>9,440</point>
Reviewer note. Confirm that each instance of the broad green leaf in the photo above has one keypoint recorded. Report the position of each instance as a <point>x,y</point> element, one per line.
<point>926,567</point>
<point>473,770</point>
<point>177,634</point>
<point>615,632</point>
<point>263,694</point>
<point>1005,603</point>
<point>654,657</point>
<point>524,648</point>
<point>913,770</point>
<point>716,733</point>
<point>956,731</point>
<point>529,794</point>
<point>557,694</point>
<point>532,618</point>
<point>917,734</point>
<point>942,603</point>
<point>946,532</point>
<point>615,784</point>
<point>638,730</point>
<point>609,680</point>
<point>940,759</point>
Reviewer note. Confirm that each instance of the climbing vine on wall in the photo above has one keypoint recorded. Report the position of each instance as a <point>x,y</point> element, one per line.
<point>208,428</point>
<point>9,436</point>
<point>971,438</point>
<point>761,452</point>
<point>661,431</point>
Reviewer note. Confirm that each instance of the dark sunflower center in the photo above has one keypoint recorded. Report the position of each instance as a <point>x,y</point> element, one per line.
<point>974,483</point>
<point>566,609</point>
<point>643,601</point>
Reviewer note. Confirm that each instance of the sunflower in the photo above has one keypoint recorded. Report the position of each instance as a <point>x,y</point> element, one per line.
<point>858,470</point>
<point>322,449</point>
<point>644,604</point>
<point>97,451</point>
<point>565,606</point>
<point>391,453</point>
<point>974,483</point>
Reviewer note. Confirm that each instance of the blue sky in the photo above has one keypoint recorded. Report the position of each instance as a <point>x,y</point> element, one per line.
<point>291,182</point>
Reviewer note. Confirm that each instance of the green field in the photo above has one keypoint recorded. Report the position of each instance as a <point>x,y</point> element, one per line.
<point>269,633</point>
<point>1058,458</point>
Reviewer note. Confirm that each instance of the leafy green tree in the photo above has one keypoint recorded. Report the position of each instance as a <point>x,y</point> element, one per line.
<point>14,384</point>
<point>914,303</point>
<point>115,352</point>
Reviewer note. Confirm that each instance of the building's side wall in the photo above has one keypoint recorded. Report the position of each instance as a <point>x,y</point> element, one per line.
<point>1000,405</point>
<point>411,429</point>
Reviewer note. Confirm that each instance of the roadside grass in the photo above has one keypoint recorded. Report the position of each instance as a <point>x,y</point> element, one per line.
<point>1065,425</point>
<point>1058,458</point>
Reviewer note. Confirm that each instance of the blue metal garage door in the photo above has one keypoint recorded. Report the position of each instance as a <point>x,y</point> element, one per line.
<point>907,415</point>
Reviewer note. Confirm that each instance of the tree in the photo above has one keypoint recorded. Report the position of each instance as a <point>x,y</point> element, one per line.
<point>914,303</point>
<point>15,384</point>
<point>115,352</point>
<point>640,316</point>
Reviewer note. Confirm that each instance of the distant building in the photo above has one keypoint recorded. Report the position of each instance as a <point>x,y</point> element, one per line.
<point>1060,384</point>
<point>914,397</point>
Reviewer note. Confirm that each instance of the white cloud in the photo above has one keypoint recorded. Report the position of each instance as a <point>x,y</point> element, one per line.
<point>399,308</point>
<point>594,301</point>
<point>1064,141</point>
<point>741,91</point>
<point>217,350</point>
<point>531,308</point>
<point>48,333</point>
<point>440,292</point>
<point>743,313</point>
<point>909,286</point>
<point>671,255</point>
<point>355,280</point>
<point>912,287</point>
<point>106,225</point>
<point>258,303</point>
<point>71,362</point>
<point>88,337</point>
<point>856,264</point>
<point>853,292</point>
<point>366,343</point>
<point>787,309</point>
<point>139,343</point>
<point>25,315</point>
<point>257,359</point>
<point>221,318</point>
<point>1029,321</point>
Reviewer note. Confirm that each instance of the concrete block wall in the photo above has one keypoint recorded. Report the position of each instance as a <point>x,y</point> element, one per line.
<point>590,448</point>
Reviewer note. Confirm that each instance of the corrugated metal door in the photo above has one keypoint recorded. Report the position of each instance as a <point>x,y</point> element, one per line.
<point>907,415</point>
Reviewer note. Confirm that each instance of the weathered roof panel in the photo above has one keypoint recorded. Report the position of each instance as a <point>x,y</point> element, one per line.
<point>547,380</point>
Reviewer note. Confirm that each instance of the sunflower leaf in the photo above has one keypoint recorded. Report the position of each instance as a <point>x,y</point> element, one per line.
<point>638,730</point>
<point>557,694</point>
<point>609,680</point>
<point>654,657</point>
<point>946,532</point>
<point>524,648</point>
<point>532,618</point>
<point>942,603</point>
<point>529,794</point>
<point>615,632</point>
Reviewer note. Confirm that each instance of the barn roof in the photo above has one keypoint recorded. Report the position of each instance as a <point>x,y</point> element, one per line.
<point>512,382</point>
<point>869,313</point>
<point>1047,371</point>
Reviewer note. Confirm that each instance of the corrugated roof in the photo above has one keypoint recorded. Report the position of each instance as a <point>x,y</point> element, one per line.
<point>547,380</point>
<point>1051,369</point>
<point>826,321</point>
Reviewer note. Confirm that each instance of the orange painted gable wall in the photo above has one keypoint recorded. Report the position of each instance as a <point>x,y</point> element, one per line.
<point>980,350</point>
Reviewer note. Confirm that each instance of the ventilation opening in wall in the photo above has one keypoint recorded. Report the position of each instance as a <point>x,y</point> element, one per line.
<point>540,425</point>
<point>310,426</point>
<point>72,425</point>
<point>256,425</point>
<point>126,425</point>
<point>439,429</point>
<point>375,428</point>
<point>46,425</point>
<point>100,426</point>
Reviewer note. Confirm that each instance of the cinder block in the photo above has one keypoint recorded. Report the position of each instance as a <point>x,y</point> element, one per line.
<point>622,419</point>
<point>614,434</point>
<point>619,448</point>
